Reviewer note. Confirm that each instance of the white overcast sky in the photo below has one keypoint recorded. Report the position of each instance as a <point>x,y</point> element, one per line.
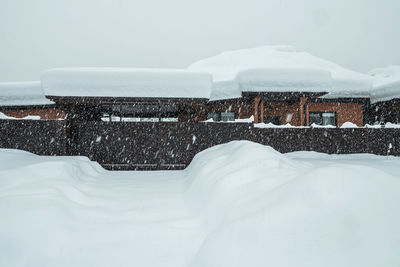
<point>40,34</point>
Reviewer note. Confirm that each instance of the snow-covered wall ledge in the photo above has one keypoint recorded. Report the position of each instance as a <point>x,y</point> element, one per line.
<point>344,126</point>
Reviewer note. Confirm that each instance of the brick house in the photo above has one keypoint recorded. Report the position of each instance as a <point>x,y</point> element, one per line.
<point>26,99</point>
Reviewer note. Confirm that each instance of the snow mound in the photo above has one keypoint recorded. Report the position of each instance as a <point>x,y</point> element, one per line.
<point>332,216</point>
<point>289,63</point>
<point>22,94</point>
<point>348,124</point>
<point>221,173</point>
<point>120,82</point>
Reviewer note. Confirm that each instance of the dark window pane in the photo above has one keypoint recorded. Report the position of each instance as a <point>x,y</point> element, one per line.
<point>228,116</point>
<point>316,118</point>
<point>214,115</point>
<point>329,118</point>
<point>276,120</point>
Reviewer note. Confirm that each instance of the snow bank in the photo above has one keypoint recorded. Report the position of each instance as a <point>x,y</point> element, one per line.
<point>287,64</point>
<point>348,124</point>
<point>332,216</point>
<point>115,82</point>
<point>237,204</point>
<point>22,94</point>
<point>271,125</point>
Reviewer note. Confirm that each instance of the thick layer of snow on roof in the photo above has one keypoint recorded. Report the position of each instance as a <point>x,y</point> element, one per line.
<point>22,94</point>
<point>125,82</point>
<point>298,69</point>
<point>385,75</point>
<point>386,83</point>
<point>282,80</point>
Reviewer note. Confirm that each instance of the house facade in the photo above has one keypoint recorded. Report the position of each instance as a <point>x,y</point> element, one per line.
<point>296,109</point>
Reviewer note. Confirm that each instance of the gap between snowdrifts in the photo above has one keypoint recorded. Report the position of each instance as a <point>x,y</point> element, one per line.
<point>238,204</point>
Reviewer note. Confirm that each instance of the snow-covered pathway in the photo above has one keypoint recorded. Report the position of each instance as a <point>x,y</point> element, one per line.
<point>239,204</point>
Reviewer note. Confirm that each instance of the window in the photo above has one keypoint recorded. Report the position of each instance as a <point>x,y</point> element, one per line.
<point>228,116</point>
<point>323,118</point>
<point>138,112</point>
<point>276,120</point>
<point>214,115</point>
<point>221,116</point>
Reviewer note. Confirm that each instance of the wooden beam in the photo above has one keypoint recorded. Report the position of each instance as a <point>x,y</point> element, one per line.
<point>307,115</point>
<point>256,102</point>
<point>262,111</point>
<point>303,100</point>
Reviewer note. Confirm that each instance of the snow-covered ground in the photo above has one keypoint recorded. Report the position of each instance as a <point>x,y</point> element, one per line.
<point>238,204</point>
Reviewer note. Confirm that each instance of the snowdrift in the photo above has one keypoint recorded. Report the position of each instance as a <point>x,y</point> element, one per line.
<point>237,204</point>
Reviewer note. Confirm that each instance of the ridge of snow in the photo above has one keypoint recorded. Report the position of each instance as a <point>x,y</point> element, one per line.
<point>22,94</point>
<point>126,82</point>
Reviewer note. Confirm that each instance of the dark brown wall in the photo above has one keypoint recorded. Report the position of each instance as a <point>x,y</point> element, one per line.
<point>127,145</point>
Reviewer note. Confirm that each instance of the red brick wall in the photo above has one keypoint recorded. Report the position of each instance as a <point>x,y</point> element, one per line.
<point>352,112</point>
<point>45,114</point>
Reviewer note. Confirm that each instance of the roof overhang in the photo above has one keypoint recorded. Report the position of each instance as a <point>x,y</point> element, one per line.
<point>283,96</point>
<point>88,100</point>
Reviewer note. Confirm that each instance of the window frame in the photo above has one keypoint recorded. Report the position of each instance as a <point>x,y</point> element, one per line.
<point>320,114</point>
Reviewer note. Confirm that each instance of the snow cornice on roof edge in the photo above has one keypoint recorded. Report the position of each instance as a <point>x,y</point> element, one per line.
<point>28,93</point>
<point>126,82</point>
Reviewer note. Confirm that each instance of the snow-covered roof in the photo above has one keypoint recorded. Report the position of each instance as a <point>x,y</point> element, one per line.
<point>22,94</point>
<point>386,83</point>
<point>284,80</point>
<point>280,68</point>
<point>126,82</point>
